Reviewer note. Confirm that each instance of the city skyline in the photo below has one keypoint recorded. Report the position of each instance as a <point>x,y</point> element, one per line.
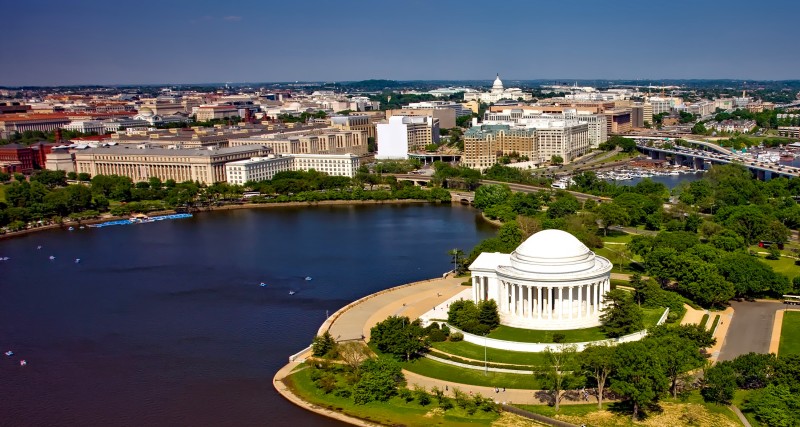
<point>180,42</point>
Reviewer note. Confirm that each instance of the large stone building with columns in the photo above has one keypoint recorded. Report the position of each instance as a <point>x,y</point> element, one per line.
<point>551,281</point>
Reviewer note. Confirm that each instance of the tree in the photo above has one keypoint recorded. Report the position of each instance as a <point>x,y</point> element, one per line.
<point>620,316</point>
<point>399,337</point>
<point>597,362</point>
<point>457,255</point>
<point>323,345</point>
<point>699,129</point>
<point>749,276</point>
<point>556,159</point>
<point>379,381</point>
<point>678,355</point>
<point>719,384</point>
<point>611,214</point>
<point>564,204</point>
<point>560,374</point>
<point>638,375</point>
<point>491,195</point>
<point>353,354</point>
<point>775,406</point>
<point>488,315</point>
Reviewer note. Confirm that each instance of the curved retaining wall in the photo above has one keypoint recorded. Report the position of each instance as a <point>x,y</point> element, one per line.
<point>530,347</point>
<point>326,325</point>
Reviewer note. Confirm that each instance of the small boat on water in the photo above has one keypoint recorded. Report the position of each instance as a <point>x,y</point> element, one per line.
<point>292,292</point>
<point>39,247</point>
<point>9,353</point>
<point>52,257</point>
<point>5,258</point>
<point>308,278</point>
<point>77,260</point>
<point>262,284</point>
<point>23,362</point>
<point>71,228</point>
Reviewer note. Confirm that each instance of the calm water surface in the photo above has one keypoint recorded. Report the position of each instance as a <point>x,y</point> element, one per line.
<point>166,324</point>
<point>671,181</point>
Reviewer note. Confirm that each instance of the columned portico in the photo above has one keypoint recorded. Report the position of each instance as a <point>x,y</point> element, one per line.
<point>551,281</point>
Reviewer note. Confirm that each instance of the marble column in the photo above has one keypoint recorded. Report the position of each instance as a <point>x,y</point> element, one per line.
<point>538,302</point>
<point>570,302</point>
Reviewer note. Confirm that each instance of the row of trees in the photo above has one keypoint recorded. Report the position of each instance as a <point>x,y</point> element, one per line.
<point>640,372</point>
<point>47,195</point>
<point>775,385</point>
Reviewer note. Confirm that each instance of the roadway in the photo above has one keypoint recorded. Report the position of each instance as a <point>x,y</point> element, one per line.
<point>522,188</point>
<point>750,329</point>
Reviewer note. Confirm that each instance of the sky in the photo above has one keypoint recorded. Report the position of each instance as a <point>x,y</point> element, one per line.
<point>83,42</point>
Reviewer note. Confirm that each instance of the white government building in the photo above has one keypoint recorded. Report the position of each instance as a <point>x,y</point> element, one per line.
<point>497,93</point>
<point>551,281</point>
<point>264,168</point>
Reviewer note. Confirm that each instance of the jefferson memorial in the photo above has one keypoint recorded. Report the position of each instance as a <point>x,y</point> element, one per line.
<point>551,281</point>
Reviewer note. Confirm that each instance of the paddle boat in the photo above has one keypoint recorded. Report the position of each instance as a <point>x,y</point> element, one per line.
<point>77,260</point>
<point>308,278</point>
<point>262,284</point>
<point>292,292</point>
<point>52,257</point>
<point>9,353</point>
<point>23,362</point>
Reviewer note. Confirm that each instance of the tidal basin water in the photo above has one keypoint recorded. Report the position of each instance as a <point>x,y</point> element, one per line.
<point>166,323</point>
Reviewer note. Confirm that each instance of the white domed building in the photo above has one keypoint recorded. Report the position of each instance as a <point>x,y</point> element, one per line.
<point>497,93</point>
<point>551,281</point>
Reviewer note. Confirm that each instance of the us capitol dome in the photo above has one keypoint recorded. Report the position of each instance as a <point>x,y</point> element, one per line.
<point>551,281</point>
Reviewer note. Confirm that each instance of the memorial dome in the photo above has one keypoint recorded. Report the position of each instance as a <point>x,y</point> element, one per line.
<point>552,251</point>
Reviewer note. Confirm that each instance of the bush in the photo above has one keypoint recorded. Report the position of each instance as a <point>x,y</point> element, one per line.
<point>436,335</point>
<point>559,337</point>
<point>774,254</point>
<point>456,337</point>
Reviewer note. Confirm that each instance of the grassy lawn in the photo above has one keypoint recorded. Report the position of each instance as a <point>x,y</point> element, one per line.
<point>651,316</point>
<point>617,237</point>
<point>394,412</point>
<point>444,372</point>
<point>674,412</point>
<point>704,320</point>
<point>473,351</point>
<point>622,264</point>
<point>531,335</point>
<point>783,265</point>
<point>714,324</point>
<point>790,333</point>
<point>2,193</point>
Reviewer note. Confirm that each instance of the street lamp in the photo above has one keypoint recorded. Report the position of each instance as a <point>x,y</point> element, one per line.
<point>485,360</point>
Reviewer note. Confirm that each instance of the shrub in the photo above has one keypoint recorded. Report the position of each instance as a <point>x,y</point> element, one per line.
<point>559,337</point>
<point>436,335</point>
<point>456,337</point>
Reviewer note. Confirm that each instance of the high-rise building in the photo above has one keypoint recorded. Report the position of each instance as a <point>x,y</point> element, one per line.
<point>404,134</point>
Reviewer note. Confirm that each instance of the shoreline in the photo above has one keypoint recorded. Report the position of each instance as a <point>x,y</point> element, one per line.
<point>66,225</point>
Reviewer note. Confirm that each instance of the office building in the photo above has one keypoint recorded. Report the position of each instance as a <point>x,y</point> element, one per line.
<point>264,168</point>
<point>404,134</point>
<point>140,164</point>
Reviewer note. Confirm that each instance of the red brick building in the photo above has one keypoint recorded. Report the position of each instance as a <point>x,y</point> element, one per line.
<point>12,153</point>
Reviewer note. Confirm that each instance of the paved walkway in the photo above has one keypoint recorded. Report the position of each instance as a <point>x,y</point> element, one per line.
<point>694,316</point>
<point>520,396</point>
<point>411,300</point>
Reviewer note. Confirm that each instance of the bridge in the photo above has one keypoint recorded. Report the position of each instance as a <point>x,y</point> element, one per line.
<point>713,154</point>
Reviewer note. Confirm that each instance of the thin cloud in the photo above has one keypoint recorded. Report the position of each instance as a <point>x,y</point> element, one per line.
<point>232,18</point>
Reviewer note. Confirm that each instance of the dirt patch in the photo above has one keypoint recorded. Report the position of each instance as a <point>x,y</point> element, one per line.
<point>673,414</point>
<point>508,419</point>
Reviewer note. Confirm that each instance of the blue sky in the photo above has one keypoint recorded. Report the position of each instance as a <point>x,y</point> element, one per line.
<point>60,42</point>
